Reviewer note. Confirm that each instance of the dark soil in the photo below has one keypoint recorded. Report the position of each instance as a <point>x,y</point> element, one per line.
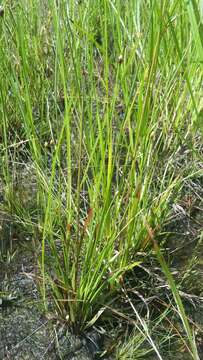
<point>25,332</point>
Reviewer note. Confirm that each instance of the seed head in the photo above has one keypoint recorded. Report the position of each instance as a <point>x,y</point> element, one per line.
<point>1,11</point>
<point>120,59</point>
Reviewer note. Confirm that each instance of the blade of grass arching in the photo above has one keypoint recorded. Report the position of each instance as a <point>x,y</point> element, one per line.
<point>135,346</point>
<point>143,327</point>
<point>197,26</point>
<point>176,295</point>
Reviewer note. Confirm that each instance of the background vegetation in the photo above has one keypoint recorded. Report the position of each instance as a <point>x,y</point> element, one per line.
<point>101,120</point>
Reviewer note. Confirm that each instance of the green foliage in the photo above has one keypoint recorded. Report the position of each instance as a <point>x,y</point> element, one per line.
<point>97,95</point>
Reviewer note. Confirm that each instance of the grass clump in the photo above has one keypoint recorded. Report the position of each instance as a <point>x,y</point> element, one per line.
<point>99,99</point>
